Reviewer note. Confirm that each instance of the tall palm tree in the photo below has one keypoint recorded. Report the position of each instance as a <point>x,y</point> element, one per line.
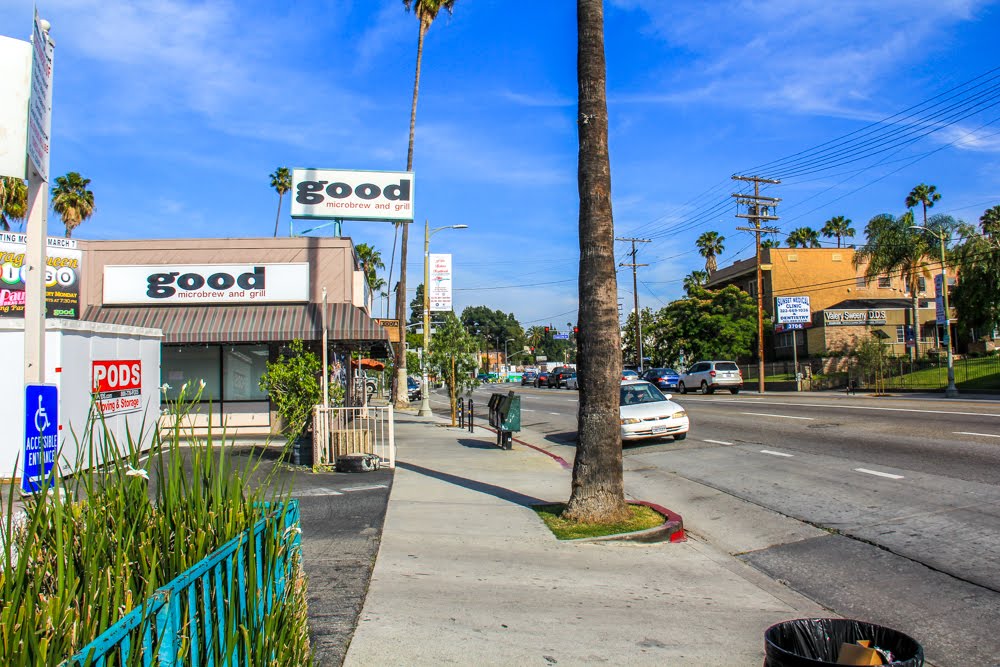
<point>894,248</point>
<point>710,245</point>
<point>838,226</point>
<point>425,11</point>
<point>72,200</point>
<point>989,221</point>
<point>13,200</point>
<point>925,195</point>
<point>281,181</point>
<point>598,490</point>
<point>695,279</point>
<point>770,243</point>
<point>371,263</point>
<point>803,237</point>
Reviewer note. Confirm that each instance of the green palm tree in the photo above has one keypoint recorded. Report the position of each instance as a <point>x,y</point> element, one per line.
<point>803,237</point>
<point>710,245</point>
<point>838,226</point>
<point>598,489</point>
<point>770,243</point>
<point>925,195</point>
<point>695,279</point>
<point>72,200</point>
<point>281,181</point>
<point>893,247</point>
<point>425,11</point>
<point>989,221</point>
<point>13,200</point>
<point>371,263</point>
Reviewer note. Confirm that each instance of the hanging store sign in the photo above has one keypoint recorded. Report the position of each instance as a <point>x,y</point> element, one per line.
<point>853,317</point>
<point>206,283</point>
<point>440,290</point>
<point>62,276</point>
<point>352,195</point>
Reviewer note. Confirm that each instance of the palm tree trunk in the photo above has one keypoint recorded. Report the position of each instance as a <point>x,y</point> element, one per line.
<point>401,399</point>
<point>598,492</point>
<point>278,217</point>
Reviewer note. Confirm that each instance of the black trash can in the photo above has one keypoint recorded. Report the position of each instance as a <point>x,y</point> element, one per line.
<point>806,642</point>
<point>302,450</point>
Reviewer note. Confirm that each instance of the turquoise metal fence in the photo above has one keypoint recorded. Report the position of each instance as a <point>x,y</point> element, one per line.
<point>198,617</point>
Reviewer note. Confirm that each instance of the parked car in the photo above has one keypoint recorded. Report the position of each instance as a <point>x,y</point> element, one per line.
<point>663,378</point>
<point>629,374</point>
<point>707,376</point>
<point>412,389</point>
<point>569,381</point>
<point>528,376</point>
<point>646,413</point>
<point>543,379</point>
<point>558,374</point>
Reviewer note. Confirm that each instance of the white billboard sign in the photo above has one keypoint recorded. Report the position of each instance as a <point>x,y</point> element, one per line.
<point>352,195</point>
<point>172,285</point>
<point>440,289</point>
<point>15,89</point>
<point>40,104</point>
<point>793,310</point>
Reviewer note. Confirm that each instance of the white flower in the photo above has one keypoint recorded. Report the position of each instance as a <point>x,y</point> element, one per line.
<point>164,387</point>
<point>201,384</point>
<point>136,472</point>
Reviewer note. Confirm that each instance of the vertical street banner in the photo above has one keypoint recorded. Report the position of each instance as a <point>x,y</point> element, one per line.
<point>40,103</point>
<point>62,276</point>
<point>939,300</point>
<point>440,278</point>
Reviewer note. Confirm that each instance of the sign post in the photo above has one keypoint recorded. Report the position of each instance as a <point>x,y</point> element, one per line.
<point>795,312</point>
<point>41,437</point>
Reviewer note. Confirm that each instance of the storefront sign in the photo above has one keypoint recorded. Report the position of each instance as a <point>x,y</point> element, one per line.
<point>170,284</point>
<point>391,327</point>
<point>793,309</point>
<point>62,276</point>
<point>853,317</point>
<point>352,195</point>
<point>116,386</point>
<point>440,293</point>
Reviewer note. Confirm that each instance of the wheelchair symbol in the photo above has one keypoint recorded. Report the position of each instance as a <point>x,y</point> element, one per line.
<point>41,417</point>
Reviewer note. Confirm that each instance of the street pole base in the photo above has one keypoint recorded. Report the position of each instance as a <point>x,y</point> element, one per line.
<point>951,392</point>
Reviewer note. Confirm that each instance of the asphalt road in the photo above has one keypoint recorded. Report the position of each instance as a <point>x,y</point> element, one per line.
<point>906,492</point>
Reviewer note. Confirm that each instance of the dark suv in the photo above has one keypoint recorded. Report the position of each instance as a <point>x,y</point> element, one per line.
<point>559,375</point>
<point>528,376</point>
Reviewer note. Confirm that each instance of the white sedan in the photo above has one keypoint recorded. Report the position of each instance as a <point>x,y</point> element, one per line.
<point>647,413</point>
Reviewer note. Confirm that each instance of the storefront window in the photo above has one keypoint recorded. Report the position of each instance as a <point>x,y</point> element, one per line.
<point>242,367</point>
<point>191,364</point>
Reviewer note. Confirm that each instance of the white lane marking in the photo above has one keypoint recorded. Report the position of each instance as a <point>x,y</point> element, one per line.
<point>768,451</point>
<point>718,442</point>
<point>555,413</point>
<point>317,492</point>
<point>985,435</point>
<point>527,410</point>
<point>369,487</point>
<point>765,414</point>
<point>832,405</point>
<point>876,472</point>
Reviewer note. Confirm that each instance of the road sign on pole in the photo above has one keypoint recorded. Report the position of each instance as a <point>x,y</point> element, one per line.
<point>41,436</point>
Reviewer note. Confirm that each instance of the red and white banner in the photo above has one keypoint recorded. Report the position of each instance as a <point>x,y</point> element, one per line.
<point>117,386</point>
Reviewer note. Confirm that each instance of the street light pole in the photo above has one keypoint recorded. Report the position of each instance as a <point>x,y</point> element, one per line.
<point>505,363</point>
<point>425,399</point>
<point>951,391</point>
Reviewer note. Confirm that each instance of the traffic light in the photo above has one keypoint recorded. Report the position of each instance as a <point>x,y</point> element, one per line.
<point>532,349</point>
<point>546,331</point>
<point>576,330</point>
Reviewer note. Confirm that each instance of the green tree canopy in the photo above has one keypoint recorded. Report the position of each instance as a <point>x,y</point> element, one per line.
<point>707,324</point>
<point>72,200</point>
<point>493,327</point>
<point>803,237</point>
<point>454,357</point>
<point>976,297</point>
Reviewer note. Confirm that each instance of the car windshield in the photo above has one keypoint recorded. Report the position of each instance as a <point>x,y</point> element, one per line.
<point>726,366</point>
<point>635,394</point>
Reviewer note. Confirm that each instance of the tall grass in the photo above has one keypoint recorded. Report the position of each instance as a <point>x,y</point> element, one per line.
<point>100,543</point>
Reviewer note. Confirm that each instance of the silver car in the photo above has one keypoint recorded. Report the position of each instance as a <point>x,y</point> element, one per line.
<point>707,376</point>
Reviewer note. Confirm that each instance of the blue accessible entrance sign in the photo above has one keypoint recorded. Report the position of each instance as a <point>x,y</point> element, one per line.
<point>41,436</point>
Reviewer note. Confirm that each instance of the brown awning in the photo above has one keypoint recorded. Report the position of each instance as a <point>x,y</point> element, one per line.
<point>348,326</point>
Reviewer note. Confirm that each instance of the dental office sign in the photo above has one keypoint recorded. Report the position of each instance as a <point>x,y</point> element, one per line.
<point>793,310</point>
<point>173,285</point>
<point>352,195</point>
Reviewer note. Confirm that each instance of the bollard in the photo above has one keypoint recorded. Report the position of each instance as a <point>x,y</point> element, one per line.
<point>472,416</point>
<point>461,412</point>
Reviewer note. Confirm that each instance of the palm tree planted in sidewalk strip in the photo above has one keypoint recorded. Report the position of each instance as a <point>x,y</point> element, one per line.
<point>598,490</point>
<point>281,181</point>
<point>425,11</point>
<point>72,200</point>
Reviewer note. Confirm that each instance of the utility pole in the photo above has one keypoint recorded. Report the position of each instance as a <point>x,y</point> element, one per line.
<point>758,208</point>
<point>635,293</point>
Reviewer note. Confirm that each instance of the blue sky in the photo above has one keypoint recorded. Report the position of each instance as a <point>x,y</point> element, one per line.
<point>178,111</point>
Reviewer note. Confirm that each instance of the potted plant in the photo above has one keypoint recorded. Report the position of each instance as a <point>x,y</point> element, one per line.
<point>293,384</point>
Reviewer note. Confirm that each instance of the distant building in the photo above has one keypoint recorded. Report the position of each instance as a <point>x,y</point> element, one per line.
<point>845,306</point>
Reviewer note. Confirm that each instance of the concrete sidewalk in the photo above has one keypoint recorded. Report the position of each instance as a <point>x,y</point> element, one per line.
<point>467,574</point>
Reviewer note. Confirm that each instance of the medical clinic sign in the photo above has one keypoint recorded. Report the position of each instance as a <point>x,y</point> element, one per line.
<point>116,386</point>
<point>206,283</point>
<point>352,195</point>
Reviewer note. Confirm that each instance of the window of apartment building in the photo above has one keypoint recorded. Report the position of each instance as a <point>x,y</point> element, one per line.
<point>752,287</point>
<point>921,285</point>
<point>860,283</point>
<point>900,333</point>
<point>884,282</point>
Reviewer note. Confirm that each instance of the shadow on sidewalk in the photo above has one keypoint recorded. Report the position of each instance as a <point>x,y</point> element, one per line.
<point>473,485</point>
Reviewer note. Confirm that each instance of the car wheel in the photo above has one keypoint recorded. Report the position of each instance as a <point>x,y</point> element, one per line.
<point>734,390</point>
<point>704,388</point>
<point>681,388</point>
<point>680,436</point>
